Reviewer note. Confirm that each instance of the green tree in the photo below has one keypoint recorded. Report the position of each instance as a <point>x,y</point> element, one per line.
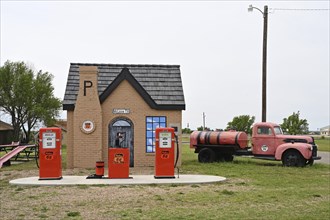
<point>294,125</point>
<point>186,131</point>
<point>27,97</point>
<point>241,123</point>
<point>201,128</point>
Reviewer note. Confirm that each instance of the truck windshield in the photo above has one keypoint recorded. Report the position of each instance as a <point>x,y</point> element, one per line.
<point>278,130</point>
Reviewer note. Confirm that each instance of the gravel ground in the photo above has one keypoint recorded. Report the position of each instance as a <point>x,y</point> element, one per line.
<point>325,157</point>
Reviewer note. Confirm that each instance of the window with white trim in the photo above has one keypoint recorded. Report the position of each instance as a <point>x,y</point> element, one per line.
<point>153,122</point>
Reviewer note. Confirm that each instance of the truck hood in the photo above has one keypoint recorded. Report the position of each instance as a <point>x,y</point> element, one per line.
<point>296,139</point>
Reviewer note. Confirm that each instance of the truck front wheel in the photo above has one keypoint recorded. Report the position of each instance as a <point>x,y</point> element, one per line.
<point>292,158</point>
<point>310,162</point>
<point>206,155</point>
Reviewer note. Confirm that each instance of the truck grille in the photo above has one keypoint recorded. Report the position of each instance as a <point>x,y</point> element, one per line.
<point>314,152</point>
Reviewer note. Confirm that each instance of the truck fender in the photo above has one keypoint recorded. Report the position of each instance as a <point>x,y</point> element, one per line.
<point>304,149</point>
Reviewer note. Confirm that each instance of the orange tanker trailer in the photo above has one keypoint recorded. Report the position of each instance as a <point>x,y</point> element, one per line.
<point>217,146</point>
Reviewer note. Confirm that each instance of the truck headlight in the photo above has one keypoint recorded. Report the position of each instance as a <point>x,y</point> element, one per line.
<point>311,147</point>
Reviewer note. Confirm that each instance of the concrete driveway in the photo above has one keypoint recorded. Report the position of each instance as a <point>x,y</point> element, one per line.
<point>325,157</point>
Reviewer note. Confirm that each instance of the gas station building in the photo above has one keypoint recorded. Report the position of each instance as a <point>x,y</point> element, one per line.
<point>116,105</point>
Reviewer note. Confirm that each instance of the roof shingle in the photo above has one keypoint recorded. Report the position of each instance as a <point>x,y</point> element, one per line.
<point>160,84</point>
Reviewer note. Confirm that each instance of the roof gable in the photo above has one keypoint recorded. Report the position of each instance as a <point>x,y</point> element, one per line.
<point>159,85</point>
<point>126,75</point>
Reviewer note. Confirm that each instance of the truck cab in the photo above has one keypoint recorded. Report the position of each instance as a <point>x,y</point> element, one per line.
<point>269,142</point>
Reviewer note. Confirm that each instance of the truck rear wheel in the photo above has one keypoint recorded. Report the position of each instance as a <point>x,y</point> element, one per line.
<point>206,155</point>
<point>293,158</point>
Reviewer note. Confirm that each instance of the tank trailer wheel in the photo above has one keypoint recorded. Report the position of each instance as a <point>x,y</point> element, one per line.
<point>219,157</point>
<point>228,157</point>
<point>223,157</point>
<point>206,155</point>
<point>293,158</point>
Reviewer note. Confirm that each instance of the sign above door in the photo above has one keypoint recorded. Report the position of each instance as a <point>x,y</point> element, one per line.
<point>120,111</point>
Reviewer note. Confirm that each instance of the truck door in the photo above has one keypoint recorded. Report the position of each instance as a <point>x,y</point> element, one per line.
<point>264,141</point>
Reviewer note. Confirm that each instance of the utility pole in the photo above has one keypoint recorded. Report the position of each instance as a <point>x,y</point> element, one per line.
<point>264,60</point>
<point>204,120</point>
<point>264,66</point>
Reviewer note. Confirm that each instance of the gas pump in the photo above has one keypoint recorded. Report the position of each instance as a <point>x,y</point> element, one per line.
<point>50,159</point>
<point>119,159</point>
<point>164,158</point>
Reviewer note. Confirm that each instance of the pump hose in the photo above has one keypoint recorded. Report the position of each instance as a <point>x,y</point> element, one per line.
<point>36,148</point>
<point>177,154</point>
<point>36,154</point>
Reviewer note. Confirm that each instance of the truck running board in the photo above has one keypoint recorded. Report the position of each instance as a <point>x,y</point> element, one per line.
<point>264,157</point>
<point>244,152</point>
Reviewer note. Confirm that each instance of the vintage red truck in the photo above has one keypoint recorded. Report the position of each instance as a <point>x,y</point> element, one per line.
<point>268,142</point>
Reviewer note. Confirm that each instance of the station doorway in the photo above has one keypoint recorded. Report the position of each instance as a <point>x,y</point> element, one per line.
<point>121,135</point>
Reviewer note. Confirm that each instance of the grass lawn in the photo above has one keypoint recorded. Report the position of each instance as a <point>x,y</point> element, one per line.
<point>323,144</point>
<point>254,189</point>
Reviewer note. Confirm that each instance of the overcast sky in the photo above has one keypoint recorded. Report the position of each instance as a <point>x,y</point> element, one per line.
<point>218,45</point>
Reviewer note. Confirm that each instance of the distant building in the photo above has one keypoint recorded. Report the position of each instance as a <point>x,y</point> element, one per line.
<point>325,130</point>
<point>6,132</point>
<point>105,102</point>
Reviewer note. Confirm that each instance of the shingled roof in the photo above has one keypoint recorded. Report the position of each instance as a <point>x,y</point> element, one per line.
<point>159,85</point>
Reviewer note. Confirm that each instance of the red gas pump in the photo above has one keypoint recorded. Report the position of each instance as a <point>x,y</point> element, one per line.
<point>50,154</point>
<point>164,158</point>
<point>118,163</point>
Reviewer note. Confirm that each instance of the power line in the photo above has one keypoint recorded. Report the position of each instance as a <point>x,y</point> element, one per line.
<point>272,10</point>
<point>300,9</point>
